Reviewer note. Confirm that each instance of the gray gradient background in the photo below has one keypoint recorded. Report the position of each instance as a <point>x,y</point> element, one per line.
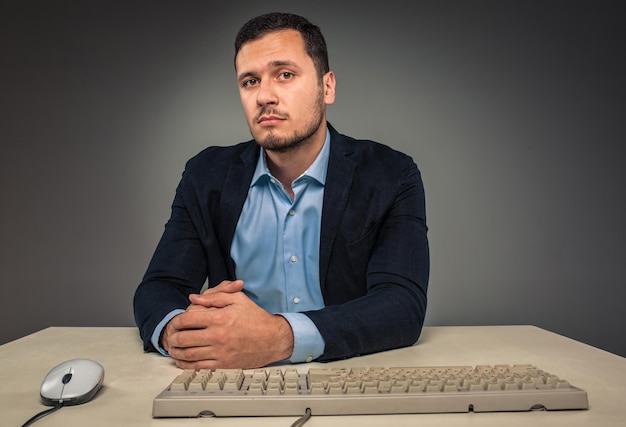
<point>513,110</point>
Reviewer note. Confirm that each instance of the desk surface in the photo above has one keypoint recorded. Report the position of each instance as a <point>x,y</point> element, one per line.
<point>133,378</point>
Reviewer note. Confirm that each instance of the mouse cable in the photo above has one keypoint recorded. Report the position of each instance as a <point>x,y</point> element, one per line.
<point>43,414</point>
<point>303,419</point>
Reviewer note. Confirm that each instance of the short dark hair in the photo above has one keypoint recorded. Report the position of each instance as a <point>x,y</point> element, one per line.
<point>314,42</point>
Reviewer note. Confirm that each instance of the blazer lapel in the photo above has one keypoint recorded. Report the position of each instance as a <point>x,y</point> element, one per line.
<point>236,186</point>
<point>341,169</point>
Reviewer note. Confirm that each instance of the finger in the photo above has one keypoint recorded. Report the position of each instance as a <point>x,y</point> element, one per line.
<point>193,344</point>
<point>196,317</point>
<point>226,286</point>
<point>213,300</point>
<point>193,354</point>
<point>197,307</point>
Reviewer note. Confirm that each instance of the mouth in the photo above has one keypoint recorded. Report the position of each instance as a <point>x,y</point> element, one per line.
<point>270,120</point>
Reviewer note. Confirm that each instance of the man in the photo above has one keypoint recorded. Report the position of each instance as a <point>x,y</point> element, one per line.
<point>313,243</point>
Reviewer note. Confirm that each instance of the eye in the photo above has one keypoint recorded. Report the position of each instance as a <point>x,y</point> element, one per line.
<point>286,75</point>
<point>249,83</point>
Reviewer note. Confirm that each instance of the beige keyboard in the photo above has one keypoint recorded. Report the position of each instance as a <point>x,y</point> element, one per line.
<point>358,390</point>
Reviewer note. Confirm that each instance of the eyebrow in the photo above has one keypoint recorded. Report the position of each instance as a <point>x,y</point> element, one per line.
<point>272,64</point>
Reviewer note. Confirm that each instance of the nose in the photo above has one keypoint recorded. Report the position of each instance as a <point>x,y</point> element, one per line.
<point>266,94</point>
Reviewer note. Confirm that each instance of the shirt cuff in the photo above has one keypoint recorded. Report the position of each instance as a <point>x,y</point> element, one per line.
<point>308,343</point>
<point>156,335</point>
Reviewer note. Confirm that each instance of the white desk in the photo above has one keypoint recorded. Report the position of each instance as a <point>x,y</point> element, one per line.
<point>133,378</point>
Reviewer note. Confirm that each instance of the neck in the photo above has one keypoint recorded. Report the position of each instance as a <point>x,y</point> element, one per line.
<point>288,165</point>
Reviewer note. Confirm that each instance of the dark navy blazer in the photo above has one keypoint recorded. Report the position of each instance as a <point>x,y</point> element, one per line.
<point>374,257</point>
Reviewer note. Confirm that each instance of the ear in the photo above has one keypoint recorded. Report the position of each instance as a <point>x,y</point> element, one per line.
<point>329,87</point>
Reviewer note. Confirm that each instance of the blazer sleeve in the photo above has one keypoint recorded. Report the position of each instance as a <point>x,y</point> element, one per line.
<point>376,286</point>
<point>176,269</point>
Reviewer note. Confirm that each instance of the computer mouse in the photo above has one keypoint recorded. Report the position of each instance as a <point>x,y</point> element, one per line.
<point>72,382</point>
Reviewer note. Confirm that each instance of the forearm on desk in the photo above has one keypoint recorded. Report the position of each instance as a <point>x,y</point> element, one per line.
<point>383,320</point>
<point>308,342</point>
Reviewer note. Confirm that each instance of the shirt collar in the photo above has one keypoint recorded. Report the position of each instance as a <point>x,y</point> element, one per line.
<point>316,171</point>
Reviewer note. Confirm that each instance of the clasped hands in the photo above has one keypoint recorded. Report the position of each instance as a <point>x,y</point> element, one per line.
<point>223,328</point>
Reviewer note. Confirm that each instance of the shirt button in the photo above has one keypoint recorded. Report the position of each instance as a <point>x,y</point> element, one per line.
<point>293,258</point>
<point>296,300</point>
<point>309,359</point>
<point>292,212</point>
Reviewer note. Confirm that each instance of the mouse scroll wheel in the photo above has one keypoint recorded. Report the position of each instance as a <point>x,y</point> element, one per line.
<point>66,378</point>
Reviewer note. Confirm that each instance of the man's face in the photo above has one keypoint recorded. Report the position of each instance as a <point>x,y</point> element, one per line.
<point>281,93</point>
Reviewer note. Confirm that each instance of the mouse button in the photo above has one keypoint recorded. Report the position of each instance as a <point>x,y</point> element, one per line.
<point>81,383</point>
<point>51,388</point>
<point>54,378</point>
<point>86,376</point>
<point>88,366</point>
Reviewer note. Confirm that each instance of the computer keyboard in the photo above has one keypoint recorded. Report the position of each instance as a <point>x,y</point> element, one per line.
<point>358,390</point>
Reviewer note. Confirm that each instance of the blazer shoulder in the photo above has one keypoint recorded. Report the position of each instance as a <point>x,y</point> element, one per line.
<point>372,155</point>
<point>217,157</point>
<point>215,166</point>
